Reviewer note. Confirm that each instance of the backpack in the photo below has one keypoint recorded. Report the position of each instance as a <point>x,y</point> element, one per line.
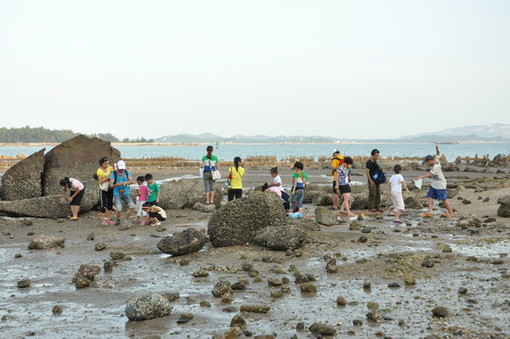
<point>379,177</point>
<point>115,175</point>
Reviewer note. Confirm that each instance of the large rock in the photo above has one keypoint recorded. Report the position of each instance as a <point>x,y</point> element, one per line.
<point>23,180</point>
<point>46,241</point>
<point>238,222</point>
<point>46,207</point>
<point>504,208</point>
<point>413,203</point>
<point>280,238</point>
<point>325,216</point>
<point>146,305</point>
<point>188,241</point>
<point>77,158</point>
<point>185,193</point>
<point>359,203</point>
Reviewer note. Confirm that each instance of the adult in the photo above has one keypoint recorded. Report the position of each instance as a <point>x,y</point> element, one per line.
<point>374,192</point>
<point>235,175</point>
<point>105,191</point>
<point>209,165</point>
<point>77,190</point>
<point>120,179</point>
<point>336,161</point>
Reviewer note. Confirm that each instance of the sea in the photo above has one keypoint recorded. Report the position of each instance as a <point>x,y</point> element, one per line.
<point>282,151</point>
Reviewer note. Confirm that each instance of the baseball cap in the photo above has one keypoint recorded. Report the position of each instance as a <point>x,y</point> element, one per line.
<point>336,151</point>
<point>121,165</point>
<point>428,158</point>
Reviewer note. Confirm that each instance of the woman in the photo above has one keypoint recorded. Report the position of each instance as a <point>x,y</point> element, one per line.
<point>105,191</point>
<point>77,190</point>
<point>209,165</point>
<point>235,175</point>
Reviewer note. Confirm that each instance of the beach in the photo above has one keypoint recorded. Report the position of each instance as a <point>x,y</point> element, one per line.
<point>443,256</point>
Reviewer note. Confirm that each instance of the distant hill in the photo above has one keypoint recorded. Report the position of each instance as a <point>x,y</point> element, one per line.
<point>212,138</point>
<point>29,134</point>
<point>492,132</point>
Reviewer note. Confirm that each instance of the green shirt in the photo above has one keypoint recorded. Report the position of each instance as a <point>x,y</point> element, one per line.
<point>153,192</point>
<point>300,180</point>
<point>210,164</point>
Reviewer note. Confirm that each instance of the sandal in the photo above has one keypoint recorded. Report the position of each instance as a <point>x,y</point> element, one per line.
<point>74,218</point>
<point>427,215</point>
<point>446,215</point>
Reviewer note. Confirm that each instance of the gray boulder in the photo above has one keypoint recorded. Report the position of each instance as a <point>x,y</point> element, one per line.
<point>187,241</point>
<point>325,216</point>
<point>147,305</point>
<point>280,238</point>
<point>77,158</point>
<point>413,203</point>
<point>185,193</point>
<point>359,203</point>
<point>23,180</point>
<point>504,208</point>
<point>238,222</point>
<point>46,241</point>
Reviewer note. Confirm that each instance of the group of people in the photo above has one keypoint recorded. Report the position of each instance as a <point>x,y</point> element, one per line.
<point>114,188</point>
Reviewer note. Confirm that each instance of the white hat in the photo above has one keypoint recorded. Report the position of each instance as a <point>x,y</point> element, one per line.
<point>121,165</point>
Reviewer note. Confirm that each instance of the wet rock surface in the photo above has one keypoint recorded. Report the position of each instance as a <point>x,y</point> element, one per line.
<point>280,238</point>
<point>186,193</point>
<point>325,216</point>
<point>147,305</point>
<point>46,241</point>
<point>185,242</point>
<point>27,171</point>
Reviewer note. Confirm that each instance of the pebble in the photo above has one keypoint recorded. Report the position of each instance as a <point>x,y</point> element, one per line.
<point>57,310</point>
<point>357,322</point>
<point>255,309</point>
<point>366,230</point>
<point>91,237</point>
<point>17,256</point>
<point>274,282</point>
<point>393,285</point>
<point>239,286</point>
<point>372,306</point>
<point>184,318</point>
<point>247,267</point>
<point>497,261</point>
<point>363,239</point>
<point>238,321</point>
<point>440,312</point>
<point>205,303</point>
<point>323,329</point>
<point>307,288</point>
<point>100,246</point>
<point>117,255</point>
<point>462,290</point>
<point>25,283</point>
<point>201,273</point>
<point>409,279</point>
<point>340,301</point>
<point>367,285</point>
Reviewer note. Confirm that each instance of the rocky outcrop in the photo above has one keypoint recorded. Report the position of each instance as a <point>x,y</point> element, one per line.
<point>280,238</point>
<point>413,203</point>
<point>23,180</point>
<point>187,241</point>
<point>238,222</point>
<point>146,305</point>
<point>77,158</point>
<point>504,208</point>
<point>185,193</point>
<point>325,216</point>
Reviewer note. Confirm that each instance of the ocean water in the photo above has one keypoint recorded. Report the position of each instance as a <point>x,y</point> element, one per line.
<point>229,151</point>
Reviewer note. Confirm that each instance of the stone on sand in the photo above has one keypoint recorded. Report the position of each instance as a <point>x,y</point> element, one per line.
<point>325,216</point>
<point>45,242</point>
<point>280,238</point>
<point>147,305</point>
<point>187,241</point>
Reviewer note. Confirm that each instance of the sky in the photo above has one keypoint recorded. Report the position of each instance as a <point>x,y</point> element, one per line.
<point>347,69</point>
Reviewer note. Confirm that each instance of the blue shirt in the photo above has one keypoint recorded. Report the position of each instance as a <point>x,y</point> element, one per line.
<point>124,177</point>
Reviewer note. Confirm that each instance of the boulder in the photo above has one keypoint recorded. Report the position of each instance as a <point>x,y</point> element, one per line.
<point>359,203</point>
<point>187,241</point>
<point>186,193</point>
<point>322,329</point>
<point>46,241</point>
<point>239,221</point>
<point>77,158</point>
<point>325,216</point>
<point>146,305</point>
<point>324,199</point>
<point>46,207</point>
<point>504,208</point>
<point>23,180</point>
<point>280,238</point>
<point>413,203</point>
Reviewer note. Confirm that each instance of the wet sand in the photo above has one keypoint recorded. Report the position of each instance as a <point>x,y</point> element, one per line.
<point>388,255</point>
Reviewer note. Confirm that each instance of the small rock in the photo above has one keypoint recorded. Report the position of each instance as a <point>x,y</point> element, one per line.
<point>171,296</point>
<point>221,288</point>
<point>427,263</point>
<point>81,282</point>
<point>17,256</point>
<point>307,288</point>
<point>393,285</point>
<point>466,201</point>
<point>355,226</point>
<point>205,303</point>
<point>45,242</point>
<point>322,329</point>
<point>146,305</point>
<point>486,199</point>
<point>30,234</point>
<point>239,286</point>
<point>201,273</point>
<point>363,239</point>
<point>247,267</point>
<point>374,316</point>
<point>57,310</point>
<point>340,301</point>
<point>331,266</point>
<point>357,322</point>
<point>300,326</point>
<point>184,262</point>
<point>366,230</point>
<point>372,306</point>
<point>440,312</point>
<point>409,279</point>
<point>27,222</point>
<point>238,321</point>
<point>276,294</point>
<point>117,255</point>
<point>91,237</point>
<point>25,283</point>
<point>367,285</point>
<point>462,290</point>
<point>497,261</point>
<point>255,308</point>
<point>184,318</point>
<point>274,282</point>
<point>108,266</point>
<point>100,246</point>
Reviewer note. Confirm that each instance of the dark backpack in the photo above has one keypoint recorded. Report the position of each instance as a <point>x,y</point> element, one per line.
<point>115,175</point>
<point>378,176</point>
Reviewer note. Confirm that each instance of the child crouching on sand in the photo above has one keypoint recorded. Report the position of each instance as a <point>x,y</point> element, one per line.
<point>437,190</point>
<point>155,214</point>
<point>343,178</point>
<point>396,182</point>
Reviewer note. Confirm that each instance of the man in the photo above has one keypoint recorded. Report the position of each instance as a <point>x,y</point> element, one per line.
<point>120,179</point>
<point>335,163</point>
<point>374,193</point>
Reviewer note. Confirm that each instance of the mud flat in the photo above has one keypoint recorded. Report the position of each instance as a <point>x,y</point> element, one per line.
<point>385,284</point>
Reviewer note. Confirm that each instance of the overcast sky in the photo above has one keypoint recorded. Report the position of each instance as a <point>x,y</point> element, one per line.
<point>349,69</point>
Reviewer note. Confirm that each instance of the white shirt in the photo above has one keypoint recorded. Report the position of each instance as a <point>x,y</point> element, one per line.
<point>396,183</point>
<point>438,179</point>
<point>278,180</point>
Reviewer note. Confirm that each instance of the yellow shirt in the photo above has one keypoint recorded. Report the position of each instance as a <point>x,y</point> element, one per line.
<point>104,175</point>
<point>236,181</point>
<point>335,163</point>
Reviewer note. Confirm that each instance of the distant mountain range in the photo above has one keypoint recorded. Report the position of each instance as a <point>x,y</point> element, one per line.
<point>493,132</point>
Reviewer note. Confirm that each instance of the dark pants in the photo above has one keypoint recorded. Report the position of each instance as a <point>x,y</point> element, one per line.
<point>374,197</point>
<point>285,198</point>
<point>235,193</point>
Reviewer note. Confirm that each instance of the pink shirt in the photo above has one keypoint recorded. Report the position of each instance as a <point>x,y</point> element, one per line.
<point>144,192</point>
<point>76,184</point>
<point>276,190</point>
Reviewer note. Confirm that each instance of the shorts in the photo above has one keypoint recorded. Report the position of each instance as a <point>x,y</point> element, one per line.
<point>236,193</point>
<point>77,199</point>
<point>157,216</point>
<point>397,201</point>
<point>152,203</point>
<point>106,200</point>
<point>208,182</point>
<point>128,200</point>
<point>139,211</point>
<point>344,189</point>
<point>334,186</point>
<point>440,195</point>
<point>297,198</point>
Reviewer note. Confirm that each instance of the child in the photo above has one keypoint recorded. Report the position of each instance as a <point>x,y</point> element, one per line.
<point>155,214</point>
<point>336,161</point>
<point>437,188</point>
<point>343,178</point>
<point>396,182</point>
<point>277,183</point>
<point>141,198</point>
<point>77,190</point>
<point>153,187</point>
<point>299,181</point>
